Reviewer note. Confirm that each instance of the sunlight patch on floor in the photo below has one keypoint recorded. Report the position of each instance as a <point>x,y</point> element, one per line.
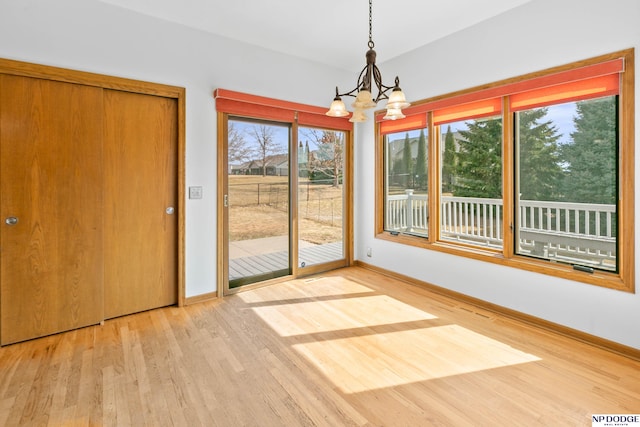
<point>339,315</point>
<point>313,287</point>
<point>359,364</point>
<point>363,340</point>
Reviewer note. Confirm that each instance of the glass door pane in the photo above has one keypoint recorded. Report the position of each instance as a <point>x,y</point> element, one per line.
<point>321,192</point>
<point>258,201</point>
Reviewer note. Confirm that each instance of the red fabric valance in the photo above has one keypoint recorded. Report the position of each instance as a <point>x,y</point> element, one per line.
<point>254,106</point>
<point>574,91</point>
<point>607,68</point>
<point>418,121</point>
<point>472,110</point>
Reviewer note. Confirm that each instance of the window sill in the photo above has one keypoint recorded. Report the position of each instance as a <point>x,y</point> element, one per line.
<point>550,268</point>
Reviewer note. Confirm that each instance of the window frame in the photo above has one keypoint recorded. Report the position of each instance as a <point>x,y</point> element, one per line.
<point>624,279</point>
<point>425,129</point>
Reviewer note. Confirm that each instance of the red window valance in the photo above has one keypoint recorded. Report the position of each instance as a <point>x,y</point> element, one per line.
<point>254,106</point>
<point>472,110</point>
<point>574,91</point>
<point>417,121</point>
<point>586,82</point>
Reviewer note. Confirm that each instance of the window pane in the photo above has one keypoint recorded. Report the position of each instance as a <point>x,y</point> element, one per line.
<point>471,177</point>
<point>567,182</point>
<point>321,194</point>
<point>258,201</point>
<point>406,184</point>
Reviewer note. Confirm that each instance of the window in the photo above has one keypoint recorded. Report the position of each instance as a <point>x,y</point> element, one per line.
<point>406,182</point>
<point>535,172</point>
<point>470,173</point>
<point>567,182</point>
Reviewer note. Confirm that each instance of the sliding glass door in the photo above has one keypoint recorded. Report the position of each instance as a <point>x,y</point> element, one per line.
<point>284,192</point>
<point>257,199</point>
<point>321,196</point>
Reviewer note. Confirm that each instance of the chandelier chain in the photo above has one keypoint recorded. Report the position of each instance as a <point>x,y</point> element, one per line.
<point>370,44</point>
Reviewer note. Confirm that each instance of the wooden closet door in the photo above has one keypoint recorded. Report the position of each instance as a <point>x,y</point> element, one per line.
<point>141,233</point>
<point>51,183</point>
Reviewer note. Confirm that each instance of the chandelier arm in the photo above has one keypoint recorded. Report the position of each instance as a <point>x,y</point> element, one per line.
<point>377,77</point>
<point>359,84</point>
<point>364,79</point>
<point>383,94</point>
<point>352,92</point>
<point>382,88</point>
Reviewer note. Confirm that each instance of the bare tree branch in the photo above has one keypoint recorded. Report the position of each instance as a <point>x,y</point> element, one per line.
<point>263,135</point>
<point>237,147</point>
<point>326,158</point>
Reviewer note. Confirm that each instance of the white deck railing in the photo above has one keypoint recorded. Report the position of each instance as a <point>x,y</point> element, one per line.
<point>470,219</point>
<point>573,232</point>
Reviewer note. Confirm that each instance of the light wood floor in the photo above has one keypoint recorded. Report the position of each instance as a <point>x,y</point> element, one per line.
<point>350,347</point>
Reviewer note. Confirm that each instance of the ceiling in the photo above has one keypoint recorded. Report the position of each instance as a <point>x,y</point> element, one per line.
<point>334,32</point>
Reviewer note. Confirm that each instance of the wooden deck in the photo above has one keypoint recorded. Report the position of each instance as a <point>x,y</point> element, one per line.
<point>264,263</point>
<point>345,348</point>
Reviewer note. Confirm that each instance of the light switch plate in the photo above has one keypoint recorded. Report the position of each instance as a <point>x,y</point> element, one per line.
<point>195,192</point>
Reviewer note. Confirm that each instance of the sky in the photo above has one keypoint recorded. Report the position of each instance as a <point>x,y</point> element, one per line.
<point>561,115</point>
<point>280,132</point>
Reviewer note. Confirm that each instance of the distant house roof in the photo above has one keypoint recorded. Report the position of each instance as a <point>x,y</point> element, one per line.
<point>275,160</point>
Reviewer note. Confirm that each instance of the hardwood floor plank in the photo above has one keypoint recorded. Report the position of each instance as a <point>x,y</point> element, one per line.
<point>348,348</point>
<point>5,410</point>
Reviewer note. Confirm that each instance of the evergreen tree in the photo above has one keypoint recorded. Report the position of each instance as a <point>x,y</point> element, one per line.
<point>591,156</point>
<point>540,172</point>
<point>479,167</point>
<point>421,162</point>
<point>397,167</point>
<point>391,164</point>
<point>448,162</point>
<point>405,166</point>
<point>303,159</point>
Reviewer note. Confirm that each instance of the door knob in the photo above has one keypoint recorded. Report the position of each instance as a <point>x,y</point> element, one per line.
<point>170,210</point>
<point>12,220</point>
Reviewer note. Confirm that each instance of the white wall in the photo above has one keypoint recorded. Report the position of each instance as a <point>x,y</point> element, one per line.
<point>89,35</point>
<point>535,36</point>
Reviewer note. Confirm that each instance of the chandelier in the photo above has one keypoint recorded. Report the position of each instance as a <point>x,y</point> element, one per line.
<point>364,99</point>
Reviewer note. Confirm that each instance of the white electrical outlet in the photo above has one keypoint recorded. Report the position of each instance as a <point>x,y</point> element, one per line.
<point>369,252</point>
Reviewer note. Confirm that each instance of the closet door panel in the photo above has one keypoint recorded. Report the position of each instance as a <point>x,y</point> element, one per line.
<point>141,232</point>
<point>51,179</point>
